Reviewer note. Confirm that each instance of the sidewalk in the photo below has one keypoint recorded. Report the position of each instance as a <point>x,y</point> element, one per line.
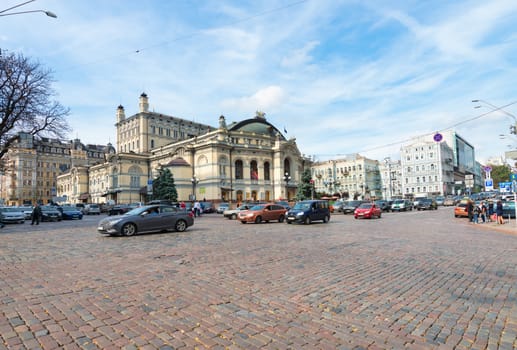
<point>509,227</point>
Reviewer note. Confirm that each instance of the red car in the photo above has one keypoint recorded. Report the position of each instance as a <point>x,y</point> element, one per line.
<point>367,211</point>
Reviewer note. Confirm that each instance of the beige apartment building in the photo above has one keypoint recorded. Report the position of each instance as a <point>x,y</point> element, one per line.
<point>353,176</point>
<point>242,161</point>
<point>32,166</point>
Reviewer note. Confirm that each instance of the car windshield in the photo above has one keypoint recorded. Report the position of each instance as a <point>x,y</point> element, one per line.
<point>47,208</point>
<point>68,208</point>
<point>398,201</point>
<point>302,205</point>
<point>365,206</point>
<point>11,210</point>
<point>137,211</point>
<point>258,207</point>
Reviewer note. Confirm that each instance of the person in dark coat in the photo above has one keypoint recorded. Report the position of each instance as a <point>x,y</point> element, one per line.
<point>36,214</point>
<point>499,212</point>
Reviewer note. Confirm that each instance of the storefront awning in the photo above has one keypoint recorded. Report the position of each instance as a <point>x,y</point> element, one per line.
<point>84,196</point>
<point>227,189</point>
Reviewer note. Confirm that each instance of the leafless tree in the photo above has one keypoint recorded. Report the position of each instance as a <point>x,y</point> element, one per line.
<point>26,101</point>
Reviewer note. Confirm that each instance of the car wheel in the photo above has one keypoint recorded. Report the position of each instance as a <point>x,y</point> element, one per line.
<point>129,229</point>
<point>380,214</point>
<point>243,222</point>
<point>180,226</point>
<point>289,222</point>
<point>258,219</point>
<point>234,216</point>
<point>281,218</point>
<point>326,219</point>
<point>307,221</point>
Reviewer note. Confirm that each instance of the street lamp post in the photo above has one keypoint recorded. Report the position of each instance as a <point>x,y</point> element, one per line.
<point>194,181</point>
<point>2,13</point>
<point>287,178</point>
<point>389,194</point>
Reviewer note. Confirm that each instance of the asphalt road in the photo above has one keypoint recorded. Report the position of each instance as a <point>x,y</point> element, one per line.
<point>415,280</point>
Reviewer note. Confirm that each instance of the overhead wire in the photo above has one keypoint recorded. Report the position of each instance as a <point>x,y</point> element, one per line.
<point>422,135</point>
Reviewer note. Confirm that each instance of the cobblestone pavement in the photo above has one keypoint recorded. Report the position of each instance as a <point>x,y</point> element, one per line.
<point>415,280</point>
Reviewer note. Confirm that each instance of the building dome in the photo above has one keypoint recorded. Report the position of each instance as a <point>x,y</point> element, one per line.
<point>258,126</point>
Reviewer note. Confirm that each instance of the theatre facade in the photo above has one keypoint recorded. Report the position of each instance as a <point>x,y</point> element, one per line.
<point>250,160</point>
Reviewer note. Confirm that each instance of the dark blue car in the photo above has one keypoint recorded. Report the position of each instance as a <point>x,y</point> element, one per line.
<point>70,213</point>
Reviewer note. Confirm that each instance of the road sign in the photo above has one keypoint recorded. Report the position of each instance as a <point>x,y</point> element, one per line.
<point>505,186</point>
<point>489,185</point>
<point>513,177</point>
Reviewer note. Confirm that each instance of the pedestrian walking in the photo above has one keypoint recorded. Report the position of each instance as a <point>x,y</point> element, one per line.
<point>483,210</point>
<point>197,208</point>
<point>36,214</point>
<point>490,210</point>
<point>475,214</point>
<point>470,210</point>
<point>499,212</point>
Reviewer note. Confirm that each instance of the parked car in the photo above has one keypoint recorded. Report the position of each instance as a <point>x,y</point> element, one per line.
<point>308,211</point>
<point>50,213</point>
<point>27,212</point>
<point>70,213</point>
<point>350,206</point>
<point>208,207</point>
<point>439,200</point>
<point>448,202</point>
<point>383,205</point>
<point>401,205</point>
<point>119,209</point>
<point>417,201</point>
<point>263,212</point>
<point>148,218</point>
<point>79,206</point>
<point>460,210</point>
<point>92,209</point>
<point>11,215</point>
<point>285,204</point>
<point>367,211</point>
<point>222,207</point>
<point>427,204</point>
<point>234,213</point>
<point>338,206</point>
<point>509,209</point>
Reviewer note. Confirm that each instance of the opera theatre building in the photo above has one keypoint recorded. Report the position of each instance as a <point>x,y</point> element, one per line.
<point>237,162</point>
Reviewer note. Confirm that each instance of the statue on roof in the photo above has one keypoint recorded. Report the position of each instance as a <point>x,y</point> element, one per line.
<point>260,115</point>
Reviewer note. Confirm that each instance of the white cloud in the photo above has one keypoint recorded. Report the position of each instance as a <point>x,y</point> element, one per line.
<point>264,99</point>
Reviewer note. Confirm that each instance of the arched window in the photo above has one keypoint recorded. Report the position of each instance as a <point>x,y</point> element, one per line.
<point>266,171</point>
<point>238,169</point>
<point>152,143</point>
<point>253,170</point>
<point>287,166</point>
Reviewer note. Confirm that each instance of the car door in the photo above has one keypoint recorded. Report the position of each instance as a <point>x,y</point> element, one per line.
<point>152,220</point>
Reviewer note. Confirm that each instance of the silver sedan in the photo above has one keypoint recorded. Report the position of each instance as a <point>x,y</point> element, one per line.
<point>149,218</point>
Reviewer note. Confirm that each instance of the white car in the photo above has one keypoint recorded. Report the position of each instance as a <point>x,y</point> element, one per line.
<point>11,215</point>
<point>92,209</point>
<point>233,213</point>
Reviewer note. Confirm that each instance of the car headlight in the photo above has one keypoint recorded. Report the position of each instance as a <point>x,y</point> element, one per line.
<point>249,215</point>
<point>300,213</point>
<point>114,221</point>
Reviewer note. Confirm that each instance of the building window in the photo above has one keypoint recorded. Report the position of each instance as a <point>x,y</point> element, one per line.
<point>266,171</point>
<point>238,169</point>
<point>253,170</point>
<point>152,143</point>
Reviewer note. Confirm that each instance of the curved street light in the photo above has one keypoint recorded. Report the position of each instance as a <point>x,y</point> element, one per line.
<point>48,13</point>
<point>287,178</point>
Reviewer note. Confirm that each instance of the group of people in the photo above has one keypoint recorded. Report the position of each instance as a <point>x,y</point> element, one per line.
<point>485,211</point>
<point>197,208</point>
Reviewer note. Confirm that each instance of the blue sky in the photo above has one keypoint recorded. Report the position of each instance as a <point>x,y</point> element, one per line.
<point>340,76</point>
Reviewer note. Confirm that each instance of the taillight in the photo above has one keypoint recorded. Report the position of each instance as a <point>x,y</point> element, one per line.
<point>191,214</point>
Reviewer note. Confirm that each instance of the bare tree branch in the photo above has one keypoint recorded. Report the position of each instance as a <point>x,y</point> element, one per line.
<point>26,102</point>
